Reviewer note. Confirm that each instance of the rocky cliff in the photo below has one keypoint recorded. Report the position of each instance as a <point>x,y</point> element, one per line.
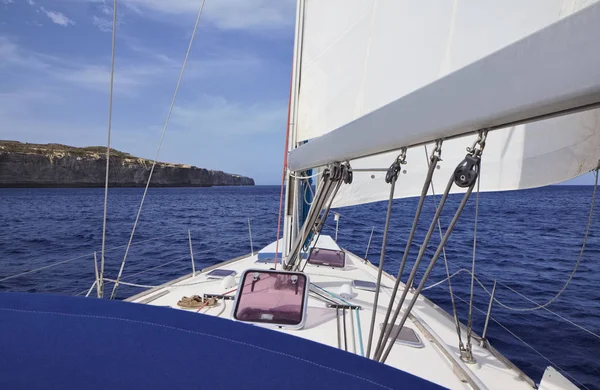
<point>54,165</point>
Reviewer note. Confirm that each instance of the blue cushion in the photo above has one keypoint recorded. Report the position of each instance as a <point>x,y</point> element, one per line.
<point>62,342</point>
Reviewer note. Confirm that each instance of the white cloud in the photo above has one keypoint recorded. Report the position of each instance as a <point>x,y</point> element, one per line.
<point>8,50</point>
<point>104,21</point>
<point>221,67</point>
<point>98,77</point>
<point>31,2</point>
<point>106,10</point>
<point>128,76</point>
<point>104,24</point>
<point>58,18</point>
<point>20,101</point>
<point>218,115</point>
<point>12,54</point>
<point>226,14</point>
<point>8,1</point>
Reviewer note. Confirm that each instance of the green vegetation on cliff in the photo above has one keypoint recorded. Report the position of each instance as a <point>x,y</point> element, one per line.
<point>56,165</point>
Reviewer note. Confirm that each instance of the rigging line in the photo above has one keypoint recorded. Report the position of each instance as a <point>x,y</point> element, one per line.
<point>141,242</point>
<point>340,299</point>
<point>78,257</point>
<point>429,268</point>
<point>306,189</point>
<point>587,231</point>
<point>223,306</point>
<point>345,337</point>
<point>313,214</point>
<point>283,171</point>
<point>60,284</point>
<point>45,267</point>
<point>167,263</point>
<point>162,137</point>
<point>339,336</point>
<point>81,293</point>
<point>386,324</point>
<point>393,171</point>
<point>359,331</point>
<point>356,221</point>
<point>526,344</point>
<point>110,108</point>
<point>314,223</point>
<point>413,272</point>
<point>319,173</point>
<point>130,284</point>
<point>507,307</point>
<point>596,335</point>
<point>445,279</point>
<point>352,330</point>
<point>322,298</point>
<point>454,310</point>
<point>97,276</point>
<point>322,223</point>
<point>470,317</point>
<point>158,266</point>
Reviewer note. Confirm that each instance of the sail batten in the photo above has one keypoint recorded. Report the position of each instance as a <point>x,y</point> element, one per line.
<point>554,70</point>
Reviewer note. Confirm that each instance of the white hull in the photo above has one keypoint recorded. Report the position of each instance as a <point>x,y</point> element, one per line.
<point>437,360</point>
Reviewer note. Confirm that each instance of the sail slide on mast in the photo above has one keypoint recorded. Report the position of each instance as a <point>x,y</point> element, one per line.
<point>551,72</point>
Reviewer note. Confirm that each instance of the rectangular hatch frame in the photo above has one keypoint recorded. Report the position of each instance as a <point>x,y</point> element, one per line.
<point>272,298</point>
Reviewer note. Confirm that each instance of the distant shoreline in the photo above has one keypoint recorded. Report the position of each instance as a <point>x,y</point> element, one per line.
<point>24,165</point>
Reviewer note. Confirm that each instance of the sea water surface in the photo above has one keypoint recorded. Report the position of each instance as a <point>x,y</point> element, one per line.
<point>528,241</point>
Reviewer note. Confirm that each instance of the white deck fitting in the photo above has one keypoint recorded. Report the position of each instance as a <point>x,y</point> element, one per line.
<point>430,362</point>
<point>269,252</point>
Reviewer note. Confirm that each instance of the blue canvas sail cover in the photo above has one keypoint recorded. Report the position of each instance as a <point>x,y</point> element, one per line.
<point>59,342</point>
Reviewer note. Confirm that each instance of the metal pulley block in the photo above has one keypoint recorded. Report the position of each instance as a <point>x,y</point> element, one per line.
<point>466,172</point>
<point>392,172</point>
<point>394,169</point>
<point>334,172</point>
<point>343,171</point>
<point>347,176</point>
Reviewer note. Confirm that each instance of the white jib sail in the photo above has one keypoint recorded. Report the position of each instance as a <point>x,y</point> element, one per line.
<point>359,55</point>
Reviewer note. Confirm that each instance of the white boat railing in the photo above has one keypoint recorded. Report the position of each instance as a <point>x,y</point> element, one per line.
<point>478,276</point>
<point>126,279</point>
<point>493,299</point>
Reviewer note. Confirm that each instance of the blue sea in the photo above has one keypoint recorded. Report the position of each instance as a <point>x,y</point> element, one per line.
<point>528,241</point>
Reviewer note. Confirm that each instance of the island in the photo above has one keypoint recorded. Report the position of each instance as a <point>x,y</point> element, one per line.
<point>55,165</point>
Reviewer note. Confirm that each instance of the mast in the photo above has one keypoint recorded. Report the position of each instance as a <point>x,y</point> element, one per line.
<point>290,229</point>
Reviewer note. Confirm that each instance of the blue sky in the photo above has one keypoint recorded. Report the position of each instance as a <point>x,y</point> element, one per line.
<point>231,109</point>
<point>232,106</point>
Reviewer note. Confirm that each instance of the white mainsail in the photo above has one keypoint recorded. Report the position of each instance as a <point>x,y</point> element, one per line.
<point>358,56</point>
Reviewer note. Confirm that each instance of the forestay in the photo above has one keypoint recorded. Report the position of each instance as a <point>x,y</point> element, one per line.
<point>358,56</point>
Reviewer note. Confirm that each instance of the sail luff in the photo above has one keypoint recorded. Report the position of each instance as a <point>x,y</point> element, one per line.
<point>289,232</point>
<point>554,70</point>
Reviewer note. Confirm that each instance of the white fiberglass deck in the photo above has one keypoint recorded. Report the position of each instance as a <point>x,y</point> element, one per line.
<point>438,361</point>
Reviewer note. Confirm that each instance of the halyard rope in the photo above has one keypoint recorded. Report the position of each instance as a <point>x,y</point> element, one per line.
<point>100,285</point>
<point>189,49</point>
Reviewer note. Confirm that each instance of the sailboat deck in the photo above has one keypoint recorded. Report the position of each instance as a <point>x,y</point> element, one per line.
<point>438,360</point>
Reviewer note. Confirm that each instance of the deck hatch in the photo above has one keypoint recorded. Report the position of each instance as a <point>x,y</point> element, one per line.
<point>407,336</point>
<point>327,257</point>
<point>272,297</point>
<point>364,285</point>
<point>220,273</point>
